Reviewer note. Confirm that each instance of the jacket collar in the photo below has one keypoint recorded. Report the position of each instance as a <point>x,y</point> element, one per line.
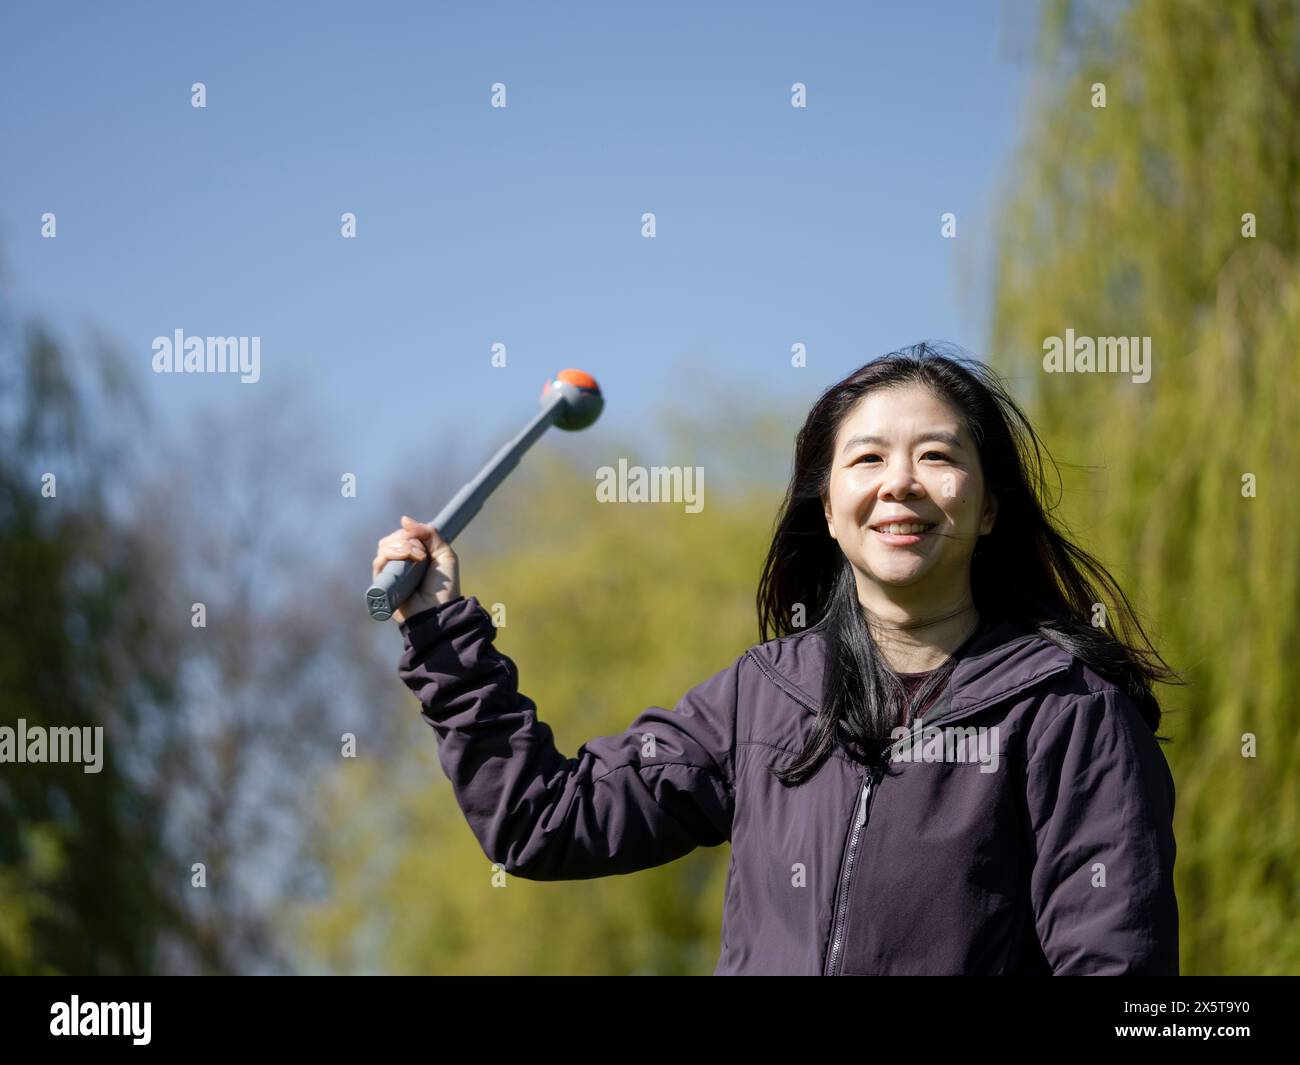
<point>1007,658</point>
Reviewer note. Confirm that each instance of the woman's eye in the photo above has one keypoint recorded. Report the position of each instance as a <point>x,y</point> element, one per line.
<point>869,457</point>
<point>937,454</point>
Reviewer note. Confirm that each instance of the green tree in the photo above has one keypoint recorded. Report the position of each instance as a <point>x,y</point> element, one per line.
<point>78,850</point>
<point>1173,212</point>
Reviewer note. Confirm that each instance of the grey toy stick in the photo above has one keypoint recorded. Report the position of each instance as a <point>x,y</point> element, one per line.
<point>570,400</point>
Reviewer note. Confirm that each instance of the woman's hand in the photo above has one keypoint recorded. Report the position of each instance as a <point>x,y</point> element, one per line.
<point>417,541</point>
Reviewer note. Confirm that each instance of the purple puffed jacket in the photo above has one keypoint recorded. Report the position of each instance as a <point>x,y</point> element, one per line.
<point>1024,828</point>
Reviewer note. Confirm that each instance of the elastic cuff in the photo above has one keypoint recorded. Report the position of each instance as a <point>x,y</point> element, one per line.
<point>428,626</point>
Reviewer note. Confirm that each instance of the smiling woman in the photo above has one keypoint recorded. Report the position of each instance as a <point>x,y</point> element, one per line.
<point>914,535</point>
<point>930,478</point>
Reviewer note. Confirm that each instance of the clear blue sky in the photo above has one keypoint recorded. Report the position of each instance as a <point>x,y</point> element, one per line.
<point>519,225</point>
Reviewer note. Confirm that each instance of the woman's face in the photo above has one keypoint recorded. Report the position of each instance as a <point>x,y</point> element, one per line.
<point>904,456</point>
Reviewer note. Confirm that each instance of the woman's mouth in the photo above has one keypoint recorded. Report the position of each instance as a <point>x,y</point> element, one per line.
<point>903,533</point>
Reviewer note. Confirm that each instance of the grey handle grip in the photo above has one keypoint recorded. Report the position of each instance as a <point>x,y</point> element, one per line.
<point>400,577</point>
<point>394,585</point>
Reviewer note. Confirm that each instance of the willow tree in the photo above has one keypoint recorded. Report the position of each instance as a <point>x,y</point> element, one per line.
<point>1157,195</point>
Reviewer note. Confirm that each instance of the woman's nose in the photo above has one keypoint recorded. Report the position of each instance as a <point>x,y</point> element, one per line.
<point>900,482</point>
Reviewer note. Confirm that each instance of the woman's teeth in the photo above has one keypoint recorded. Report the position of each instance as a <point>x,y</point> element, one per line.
<point>903,530</point>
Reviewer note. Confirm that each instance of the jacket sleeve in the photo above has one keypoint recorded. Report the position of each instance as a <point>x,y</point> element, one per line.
<point>625,802</point>
<point>1100,794</point>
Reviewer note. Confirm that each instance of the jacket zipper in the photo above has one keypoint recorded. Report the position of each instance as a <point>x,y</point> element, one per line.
<point>842,895</point>
<point>841,909</point>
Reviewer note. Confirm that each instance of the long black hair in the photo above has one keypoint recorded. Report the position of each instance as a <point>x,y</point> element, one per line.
<point>1025,570</point>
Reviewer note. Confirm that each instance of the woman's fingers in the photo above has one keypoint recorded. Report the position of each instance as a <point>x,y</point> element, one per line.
<point>417,529</point>
<point>430,537</point>
<point>396,546</point>
<point>426,533</point>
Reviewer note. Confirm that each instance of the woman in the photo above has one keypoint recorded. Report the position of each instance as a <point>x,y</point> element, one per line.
<point>944,760</point>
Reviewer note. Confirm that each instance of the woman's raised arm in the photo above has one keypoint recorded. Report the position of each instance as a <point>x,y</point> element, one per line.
<point>629,801</point>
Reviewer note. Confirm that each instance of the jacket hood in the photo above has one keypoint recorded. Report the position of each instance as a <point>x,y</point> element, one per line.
<point>1008,657</point>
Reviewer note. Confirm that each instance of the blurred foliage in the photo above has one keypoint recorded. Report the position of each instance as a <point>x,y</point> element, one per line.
<point>1127,221</point>
<point>213,734</point>
<point>79,852</point>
